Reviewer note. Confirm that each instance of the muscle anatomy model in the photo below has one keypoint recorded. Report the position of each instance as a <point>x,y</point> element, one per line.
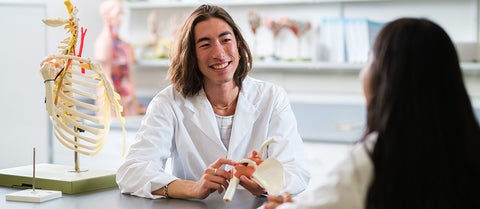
<point>71,84</point>
<point>116,57</point>
<point>267,173</point>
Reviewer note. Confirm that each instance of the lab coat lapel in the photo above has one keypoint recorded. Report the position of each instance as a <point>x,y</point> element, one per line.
<point>245,116</point>
<point>203,117</point>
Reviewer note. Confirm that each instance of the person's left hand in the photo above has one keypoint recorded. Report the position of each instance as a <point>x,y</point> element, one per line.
<point>251,186</point>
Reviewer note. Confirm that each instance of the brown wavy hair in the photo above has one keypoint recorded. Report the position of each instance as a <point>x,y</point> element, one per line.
<point>183,72</point>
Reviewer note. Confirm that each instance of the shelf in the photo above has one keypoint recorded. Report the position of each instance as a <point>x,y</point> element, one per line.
<point>470,67</point>
<point>163,63</point>
<point>284,66</point>
<point>307,66</point>
<point>277,66</point>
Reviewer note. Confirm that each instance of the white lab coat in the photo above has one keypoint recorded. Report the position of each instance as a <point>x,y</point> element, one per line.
<point>185,129</point>
<point>346,186</point>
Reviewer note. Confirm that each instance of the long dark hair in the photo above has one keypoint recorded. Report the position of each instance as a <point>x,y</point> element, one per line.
<point>426,153</point>
<point>184,73</point>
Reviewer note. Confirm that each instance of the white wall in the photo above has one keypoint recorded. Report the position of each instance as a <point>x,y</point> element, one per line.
<point>23,119</point>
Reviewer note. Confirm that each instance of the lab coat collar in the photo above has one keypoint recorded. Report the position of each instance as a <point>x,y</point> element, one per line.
<point>203,116</point>
<point>246,114</point>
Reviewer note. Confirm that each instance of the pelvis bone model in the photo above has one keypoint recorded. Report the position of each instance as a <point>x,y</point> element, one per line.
<point>78,97</point>
<point>267,173</point>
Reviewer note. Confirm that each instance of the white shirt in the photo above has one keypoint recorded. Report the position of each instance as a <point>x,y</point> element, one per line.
<point>225,127</point>
<point>185,130</point>
<point>346,186</point>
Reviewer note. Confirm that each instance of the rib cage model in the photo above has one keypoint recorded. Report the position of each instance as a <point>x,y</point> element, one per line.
<point>79,98</point>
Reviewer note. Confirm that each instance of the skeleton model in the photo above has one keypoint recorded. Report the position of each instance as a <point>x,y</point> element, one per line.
<point>267,173</point>
<point>71,84</point>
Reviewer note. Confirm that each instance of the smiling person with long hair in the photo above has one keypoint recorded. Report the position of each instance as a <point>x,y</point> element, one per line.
<point>211,115</point>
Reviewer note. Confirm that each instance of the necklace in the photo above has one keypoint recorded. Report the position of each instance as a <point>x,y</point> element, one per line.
<point>226,106</point>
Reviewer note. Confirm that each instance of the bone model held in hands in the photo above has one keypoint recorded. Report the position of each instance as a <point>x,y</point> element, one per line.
<point>70,83</point>
<point>267,173</point>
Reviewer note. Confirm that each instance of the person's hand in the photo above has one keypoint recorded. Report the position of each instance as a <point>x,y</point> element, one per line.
<point>275,201</point>
<point>214,178</point>
<point>251,186</point>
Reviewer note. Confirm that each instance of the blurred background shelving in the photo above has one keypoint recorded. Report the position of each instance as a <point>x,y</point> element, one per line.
<point>459,17</point>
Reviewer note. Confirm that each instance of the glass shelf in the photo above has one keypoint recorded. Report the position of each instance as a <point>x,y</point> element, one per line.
<point>285,66</point>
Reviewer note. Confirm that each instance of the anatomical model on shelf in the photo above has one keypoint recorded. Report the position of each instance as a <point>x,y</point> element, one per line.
<point>267,173</point>
<point>254,20</point>
<point>117,57</point>
<point>299,28</point>
<point>275,28</point>
<point>79,98</point>
<point>159,46</point>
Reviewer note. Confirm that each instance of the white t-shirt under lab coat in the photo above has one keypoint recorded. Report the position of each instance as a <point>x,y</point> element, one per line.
<point>346,185</point>
<point>186,130</point>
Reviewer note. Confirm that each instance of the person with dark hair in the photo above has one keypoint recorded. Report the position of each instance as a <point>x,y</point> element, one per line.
<point>211,115</point>
<point>421,139</point>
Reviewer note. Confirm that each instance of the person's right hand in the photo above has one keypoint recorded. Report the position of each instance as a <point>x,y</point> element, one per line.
<point>214,178</point>
<point>275,201</point>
